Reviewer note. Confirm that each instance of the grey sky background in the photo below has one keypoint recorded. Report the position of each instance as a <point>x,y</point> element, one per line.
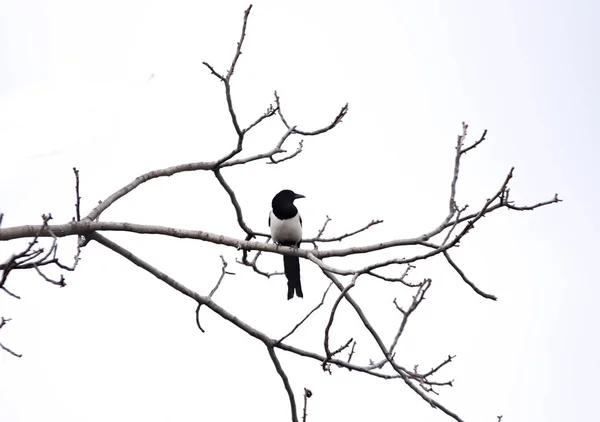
<point>117,88</point>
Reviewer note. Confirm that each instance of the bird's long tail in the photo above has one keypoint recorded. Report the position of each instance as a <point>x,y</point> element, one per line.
<point>291,266</point>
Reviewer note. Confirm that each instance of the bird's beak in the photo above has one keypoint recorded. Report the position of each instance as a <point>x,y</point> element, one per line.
<point>298,196</point>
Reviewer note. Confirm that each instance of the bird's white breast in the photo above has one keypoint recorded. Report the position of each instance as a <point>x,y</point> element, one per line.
<point>289,230</point>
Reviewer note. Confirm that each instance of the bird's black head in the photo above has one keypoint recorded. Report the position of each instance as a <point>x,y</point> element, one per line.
<point>285,198</point>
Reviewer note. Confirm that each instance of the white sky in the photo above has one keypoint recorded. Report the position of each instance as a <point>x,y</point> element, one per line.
<point>116,344</point>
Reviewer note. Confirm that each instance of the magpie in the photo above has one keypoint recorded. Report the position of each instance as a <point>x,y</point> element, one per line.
<point>286,230</point>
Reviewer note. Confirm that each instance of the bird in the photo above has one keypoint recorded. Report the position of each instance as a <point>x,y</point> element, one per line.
<point>286,230</point>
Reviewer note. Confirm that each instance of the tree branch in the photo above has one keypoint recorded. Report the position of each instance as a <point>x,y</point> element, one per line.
<point>337,120</point>
<point>466,280</point>
<point>286,382</point>
<point>3,322</point>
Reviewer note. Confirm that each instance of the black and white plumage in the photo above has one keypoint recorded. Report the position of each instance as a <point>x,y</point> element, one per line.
<point>286,230</point>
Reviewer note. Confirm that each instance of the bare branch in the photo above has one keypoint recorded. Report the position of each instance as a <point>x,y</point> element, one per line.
<point>318,238</point>
<point>285,136</point>
<point>459,143</point>
<point>31,258</point>
<point>77,196</point>
<point>3,322</point>
<point>270,112</point>
<point>342,347</point>
<point>322,230</point>
<point>440,366</point>
<point>8,292</point>
<point>532,207</point>
<point>238,52</point>
<point>60,282</point>
<point>400,279</point>
<point>253,264</point>
<point>213,71</point>
<point>449,232</point>
<point>344,291</point>
<point>307,315</point>
<point>307,395</point>
<point>351,353</point>
<point>234,202</point>
<point>226,81</point>
<point>466,280</point>
<point>286,382</point>
<point>289,157</point>
<point>166,172</point>
<point>334,123</point>
<point>223,272</point>
<point>465,150</point>
<point>198,317</point>
<point>401,371</point>
<point>416,301</point>
<point>7,349</point>
<point>212,292</point>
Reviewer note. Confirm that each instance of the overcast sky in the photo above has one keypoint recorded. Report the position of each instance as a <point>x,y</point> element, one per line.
<point>117,88</point>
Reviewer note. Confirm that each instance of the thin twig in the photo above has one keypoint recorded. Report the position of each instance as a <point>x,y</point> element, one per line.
<point>400,279</point>
<point>318,238</point>
<point>466,280</point>
<point>307,395</point>
<point>223,272</point>
<point>238,52</point>
<point>270,112</point>
<point>253,263</point>
<point>322,230</point>
<point>288,157</point>
<point>77,197</point>
<point>198,317</point>
<point>351,353</point>
<point>417,299</point>
<point>337,120</point>
<point>3,322</point>
<point>234,202</point>
<point>481,139</point>
<point>343,292</point>
<point>532,207</point>
<point>307,315</point>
